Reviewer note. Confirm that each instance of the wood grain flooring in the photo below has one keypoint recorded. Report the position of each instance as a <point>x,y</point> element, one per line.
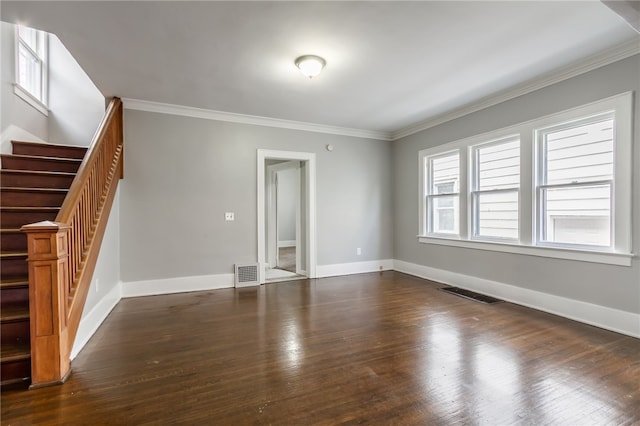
<point>382,348</point>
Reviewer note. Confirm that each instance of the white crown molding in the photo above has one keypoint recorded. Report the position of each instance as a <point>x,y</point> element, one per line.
<point>207,114</point>
<point>590,63</point>
<point>622,51</point>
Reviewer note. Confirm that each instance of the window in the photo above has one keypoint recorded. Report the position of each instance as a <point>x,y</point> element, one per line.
<point>557,186</point>
<point>31,68</point>
<point>443,195</point>
<point>495,193</point>
<point>575,183</point>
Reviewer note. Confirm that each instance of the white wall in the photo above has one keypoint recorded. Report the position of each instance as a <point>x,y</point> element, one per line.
<point>105,290</point>
<point>183,173</point>
<point>18,119</point>
<point>76,106</point>
<point>616,287</point>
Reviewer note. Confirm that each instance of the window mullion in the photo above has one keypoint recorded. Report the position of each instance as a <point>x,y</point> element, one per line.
<point>464,195</point>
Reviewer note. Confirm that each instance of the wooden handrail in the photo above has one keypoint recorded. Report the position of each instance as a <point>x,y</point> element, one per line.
<point>63,254</point>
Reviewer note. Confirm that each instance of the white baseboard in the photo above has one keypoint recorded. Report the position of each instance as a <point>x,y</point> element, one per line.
<point>89,323</point>
<point>286,243</point>
<point>337,269</point>
<point>600,316</point>
<point>177,285</point>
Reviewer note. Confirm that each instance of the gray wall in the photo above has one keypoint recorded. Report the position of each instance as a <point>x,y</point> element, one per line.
<point>183,173</point>
<point>287,206</point>
<point>613,286</point>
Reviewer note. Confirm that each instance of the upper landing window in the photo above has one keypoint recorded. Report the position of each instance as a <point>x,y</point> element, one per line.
<point>31,64</point>
<point>557,186</point>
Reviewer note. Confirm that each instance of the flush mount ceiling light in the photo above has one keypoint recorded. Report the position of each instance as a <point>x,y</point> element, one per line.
<point>310,65</point>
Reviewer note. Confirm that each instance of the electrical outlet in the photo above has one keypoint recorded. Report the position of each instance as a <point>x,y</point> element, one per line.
<point>229,216</point>
<point>358,251</point>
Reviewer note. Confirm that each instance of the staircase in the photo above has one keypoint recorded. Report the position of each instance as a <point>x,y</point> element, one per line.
<point>34,181</point>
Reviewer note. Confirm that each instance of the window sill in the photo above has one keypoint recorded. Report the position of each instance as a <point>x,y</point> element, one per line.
<point>30,99</point>
<point>620,259</point>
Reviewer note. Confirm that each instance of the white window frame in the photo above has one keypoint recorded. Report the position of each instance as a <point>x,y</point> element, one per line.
<point>42,41</point>
<point>475,192</point>
<point>428,197</point>
<point>620,253</point>
<point>541,184</point>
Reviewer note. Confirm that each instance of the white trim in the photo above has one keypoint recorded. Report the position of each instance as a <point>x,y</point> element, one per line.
<point>286,243</point>
<point>90,322</point>
<point>208,114</point>
<point>310,159</point>
<point>339,269</point>
<point>176,285</point>
<point>620,254</point>
<point>30,99</point>
<point>620,259</point>
<point>600,316</point>
<point>590,63</point>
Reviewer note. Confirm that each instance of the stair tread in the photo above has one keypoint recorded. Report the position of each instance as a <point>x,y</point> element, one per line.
<point>11,254</point>
<point>42,157</point>
<point>14,282</point>
<point>79,148</point>
<point>27,209</point>
<point>14,311</point>
<point>37,172</point>
<point>27,189</point>
<point>7,230</point>
<point>14,351</point>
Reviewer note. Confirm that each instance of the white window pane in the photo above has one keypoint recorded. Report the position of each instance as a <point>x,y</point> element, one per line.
<point>499,166</point>
<point>578,215</point>
<point>29,36</point>
<point>29,72</point>
<point>497,215</point>
<point>580,154</point>
<point>444,214</point>
<point>445,170</point>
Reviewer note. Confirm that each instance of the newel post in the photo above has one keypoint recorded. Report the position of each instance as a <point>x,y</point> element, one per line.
<point>48,249</point>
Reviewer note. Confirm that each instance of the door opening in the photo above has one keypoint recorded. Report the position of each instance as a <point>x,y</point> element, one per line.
<point>286,215</point>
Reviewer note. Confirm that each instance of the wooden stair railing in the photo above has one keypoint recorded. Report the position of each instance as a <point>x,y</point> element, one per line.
<point>62,255</point>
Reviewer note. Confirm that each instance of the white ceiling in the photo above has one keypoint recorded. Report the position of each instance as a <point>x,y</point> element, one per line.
<point>390,65</point>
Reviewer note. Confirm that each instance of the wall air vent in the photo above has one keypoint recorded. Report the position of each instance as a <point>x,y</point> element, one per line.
<point>247,275</point>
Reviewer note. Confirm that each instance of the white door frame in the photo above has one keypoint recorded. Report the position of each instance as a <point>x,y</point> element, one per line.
<point>273,224</point>
<point>310,203</point>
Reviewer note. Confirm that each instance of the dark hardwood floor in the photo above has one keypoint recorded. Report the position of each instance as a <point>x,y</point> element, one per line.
<point>373,348</point>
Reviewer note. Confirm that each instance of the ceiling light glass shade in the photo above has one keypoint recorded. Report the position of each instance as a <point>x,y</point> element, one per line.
<point>310,65</point>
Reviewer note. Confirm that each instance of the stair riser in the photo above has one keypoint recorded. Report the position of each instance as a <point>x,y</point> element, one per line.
<point>42,164</point>
<point>16,198</point>
<point>17,369</point>
<point>35,181</point>
<point>15,332</point>
<point>17,219</point>
<point>14,268</point>
<point>14,295</point>
<point>13,241</point>
<point>48,150</point>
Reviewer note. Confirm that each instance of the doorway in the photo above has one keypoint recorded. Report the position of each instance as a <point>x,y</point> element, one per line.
<point>286,215</point>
